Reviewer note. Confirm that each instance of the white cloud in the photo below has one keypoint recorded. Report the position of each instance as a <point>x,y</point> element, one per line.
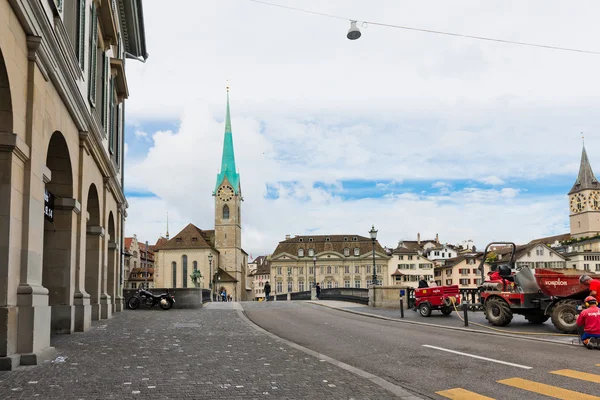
<point>395,106</point>
<point>491,180</point>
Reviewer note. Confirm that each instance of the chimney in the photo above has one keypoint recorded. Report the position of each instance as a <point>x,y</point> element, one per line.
<point>418,238</point>
<point>287,237</point>
<point>437,238</point>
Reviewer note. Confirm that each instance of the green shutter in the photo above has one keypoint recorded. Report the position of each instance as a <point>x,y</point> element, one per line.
<point>93,56</point>
<point>81,35</point>
<point>118,135</point>
<point>104,92</point>
<point>111,126</point>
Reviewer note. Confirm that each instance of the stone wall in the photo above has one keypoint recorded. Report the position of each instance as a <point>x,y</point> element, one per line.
<point>184,298</point>
<point>387,296</point>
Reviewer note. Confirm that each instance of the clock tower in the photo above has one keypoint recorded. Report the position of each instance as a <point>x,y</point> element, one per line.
<point>228,226</point>
<point>584,201</point>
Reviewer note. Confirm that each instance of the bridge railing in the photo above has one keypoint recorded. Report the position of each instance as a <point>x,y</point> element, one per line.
<point>356,295</point>
<point>467,295</point>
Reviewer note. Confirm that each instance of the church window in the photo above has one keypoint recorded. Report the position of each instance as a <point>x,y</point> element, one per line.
<point>327,239</point>
<point>345,239</point>
<point>310,239</point>
<point>356,251</point>
<point>354,238</point>
<point>195,263</point>
<point>174,267</point>
<point>302,240</point>
<point>300,252</point>
<point>225,211</point>
<point>346,252</point>
<point>184,276</point>
<point>311,252</point>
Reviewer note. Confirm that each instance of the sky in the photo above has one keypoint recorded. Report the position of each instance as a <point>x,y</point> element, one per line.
<point>408,131</point>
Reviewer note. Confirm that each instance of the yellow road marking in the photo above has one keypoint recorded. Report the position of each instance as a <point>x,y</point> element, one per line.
<point>462,394</point>
<point>548,390</point>
<point>584,376</point>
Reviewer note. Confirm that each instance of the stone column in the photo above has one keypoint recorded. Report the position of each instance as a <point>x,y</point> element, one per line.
<point>93,270</point>
<point>14,153</point>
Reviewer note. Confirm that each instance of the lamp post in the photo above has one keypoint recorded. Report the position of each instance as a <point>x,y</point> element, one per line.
<point>373,233</point>
<point>315,271</point>
<point>210,283</point>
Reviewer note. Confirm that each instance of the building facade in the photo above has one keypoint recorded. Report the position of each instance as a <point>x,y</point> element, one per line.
<point>227,269</point>
<point>131,259</point>
<point>462,270</point>
<point>259,274</point>
<point>407,264</point>
<point>333,260</point>
<point>62,92</point>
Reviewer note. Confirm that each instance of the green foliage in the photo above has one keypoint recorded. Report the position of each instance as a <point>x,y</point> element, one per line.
<point>491,257</point>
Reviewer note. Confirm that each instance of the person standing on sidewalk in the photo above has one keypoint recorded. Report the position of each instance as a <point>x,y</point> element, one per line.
<point>267,291</point>
<point>318,291</point>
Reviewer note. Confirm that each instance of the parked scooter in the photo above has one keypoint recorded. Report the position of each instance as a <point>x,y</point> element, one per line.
<point>148,299</point>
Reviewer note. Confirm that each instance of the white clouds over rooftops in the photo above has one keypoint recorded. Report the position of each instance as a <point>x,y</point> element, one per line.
<point>314,114</point>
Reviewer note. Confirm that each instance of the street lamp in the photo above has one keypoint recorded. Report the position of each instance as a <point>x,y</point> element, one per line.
<point>315,271</point>
<point>373,233</point>
<point>210,258</point>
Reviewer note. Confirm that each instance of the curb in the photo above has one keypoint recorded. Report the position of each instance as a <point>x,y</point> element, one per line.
<point>399,391</point>
<point>515,336</point>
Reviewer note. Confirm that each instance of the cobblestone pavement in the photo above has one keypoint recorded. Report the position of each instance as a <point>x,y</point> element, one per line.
<point>518,324</point>
<point>209,353</point>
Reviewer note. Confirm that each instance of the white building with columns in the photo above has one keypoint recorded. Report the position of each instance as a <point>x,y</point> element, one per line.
<point>62,204</point>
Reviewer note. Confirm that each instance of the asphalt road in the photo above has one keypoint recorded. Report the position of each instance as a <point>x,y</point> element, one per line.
<point>420,358</point>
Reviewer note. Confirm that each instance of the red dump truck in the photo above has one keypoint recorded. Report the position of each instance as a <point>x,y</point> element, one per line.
<point>538,294</point>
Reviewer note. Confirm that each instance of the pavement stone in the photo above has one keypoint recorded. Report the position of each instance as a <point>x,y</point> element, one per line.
<point>208,353</point>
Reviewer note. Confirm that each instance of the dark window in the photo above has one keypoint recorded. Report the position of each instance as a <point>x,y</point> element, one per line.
<point>225,211</point>
<point>174,265</point>
<point>184,275</point>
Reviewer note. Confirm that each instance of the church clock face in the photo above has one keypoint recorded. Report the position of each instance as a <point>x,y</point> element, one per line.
<point>578,203</point>
<point>594,200</point>
<point>225,193</point>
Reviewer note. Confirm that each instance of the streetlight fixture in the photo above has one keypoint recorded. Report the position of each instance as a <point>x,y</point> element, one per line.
<point>315,271</point>
<point>353,32</point>
<point>210,258</point>
<point>373,233</point>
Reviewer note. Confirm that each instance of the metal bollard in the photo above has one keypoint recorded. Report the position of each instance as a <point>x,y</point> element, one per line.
<point>401,308</point>
<point>466,314</point>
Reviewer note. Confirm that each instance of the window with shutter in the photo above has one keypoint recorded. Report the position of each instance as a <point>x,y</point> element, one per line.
<point>111,127</point>
<point>81,35</point>
<point>93,55</point>
<point>105,73</point>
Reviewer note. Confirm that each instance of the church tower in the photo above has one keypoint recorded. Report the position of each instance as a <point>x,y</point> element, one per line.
<point>228,225</point>
<point>584,201</point>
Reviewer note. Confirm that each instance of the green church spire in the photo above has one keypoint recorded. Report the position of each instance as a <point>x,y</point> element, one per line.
<point>228,169</point>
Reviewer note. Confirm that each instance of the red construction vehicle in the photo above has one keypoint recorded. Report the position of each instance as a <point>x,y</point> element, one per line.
<point>538,295</point>
<point>437,298</point>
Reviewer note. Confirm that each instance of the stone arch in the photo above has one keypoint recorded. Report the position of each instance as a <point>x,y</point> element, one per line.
<point>93,250</point>
<point>113,257</point>
<point>58,263</point>
<point>6,114</point>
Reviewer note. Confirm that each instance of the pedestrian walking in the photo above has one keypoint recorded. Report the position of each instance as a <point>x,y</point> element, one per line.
<point>267,291</point>
<point>318,291</point>
<point>224,295</point>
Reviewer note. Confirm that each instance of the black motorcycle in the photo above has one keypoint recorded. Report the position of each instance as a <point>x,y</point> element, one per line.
<point>148,299</point>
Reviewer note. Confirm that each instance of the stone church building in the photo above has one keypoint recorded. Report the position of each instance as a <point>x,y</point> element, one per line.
<point>216,253</point>
<point>62,205</point>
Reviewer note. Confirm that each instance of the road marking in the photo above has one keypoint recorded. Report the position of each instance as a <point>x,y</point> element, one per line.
<point>584,376</point>
<point>462,394</point>
<point>547,390</point>
<point>478,357</point>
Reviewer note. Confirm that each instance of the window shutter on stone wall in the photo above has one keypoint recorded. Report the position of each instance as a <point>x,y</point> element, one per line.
<point>105,72</point>
<point>111,125</point>
<point>93,56</point>
<point>81,35</point>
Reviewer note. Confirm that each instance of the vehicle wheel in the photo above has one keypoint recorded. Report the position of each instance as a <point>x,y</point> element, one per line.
<point>498,312</point>
<point>564,316</point>
<point>446,311</point>
<point>166,306</point>
<point>425,309</point>
<point>537,319</point>
<point>133,302</point>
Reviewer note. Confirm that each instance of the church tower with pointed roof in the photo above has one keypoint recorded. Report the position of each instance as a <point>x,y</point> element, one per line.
<point>584,201</point>
<point>228,225</point>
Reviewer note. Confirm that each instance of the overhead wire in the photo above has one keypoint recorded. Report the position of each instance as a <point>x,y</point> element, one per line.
<point>489,39</point>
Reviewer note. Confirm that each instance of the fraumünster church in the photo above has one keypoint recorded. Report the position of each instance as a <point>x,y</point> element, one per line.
<point>216,253</point>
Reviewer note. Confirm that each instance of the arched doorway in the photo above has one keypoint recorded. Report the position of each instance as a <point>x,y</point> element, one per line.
<point>93,254</point>
<point>58,272</point>
<point>112,273</point>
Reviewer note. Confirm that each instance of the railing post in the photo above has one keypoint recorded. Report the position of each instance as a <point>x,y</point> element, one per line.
<point>466,313</point>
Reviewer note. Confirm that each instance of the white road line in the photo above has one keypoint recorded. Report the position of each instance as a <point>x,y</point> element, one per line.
<point>478,357</point>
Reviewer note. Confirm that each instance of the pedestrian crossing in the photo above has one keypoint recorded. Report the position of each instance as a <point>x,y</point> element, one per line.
<point>530,386</point>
